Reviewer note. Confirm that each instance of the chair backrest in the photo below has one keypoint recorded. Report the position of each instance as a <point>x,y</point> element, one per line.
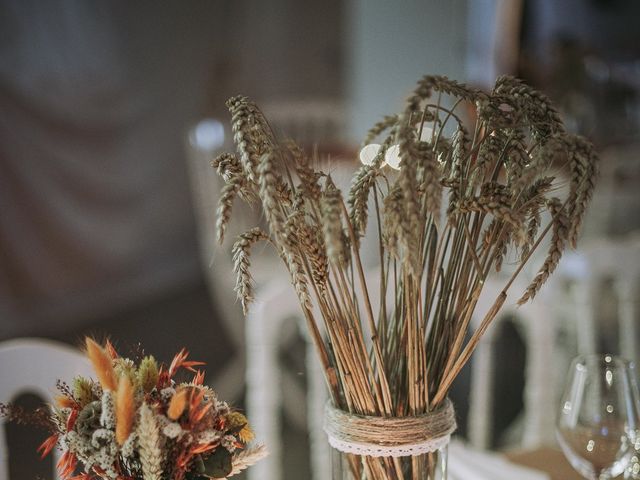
<point>535,322</point>
<point>562,322</point>
<point>605,271</point>
<point>275,304</point>
<point>308,122</point>
<point>32,365</point>
<point>205,141</point>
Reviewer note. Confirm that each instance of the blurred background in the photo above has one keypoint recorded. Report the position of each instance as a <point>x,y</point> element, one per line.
<point>110,112</point>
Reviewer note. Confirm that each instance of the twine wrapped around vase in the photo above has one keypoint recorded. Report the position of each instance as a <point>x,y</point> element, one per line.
<point>389,436</point>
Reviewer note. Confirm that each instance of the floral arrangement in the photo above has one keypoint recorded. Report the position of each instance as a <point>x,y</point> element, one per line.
<point>138,422</point>
<point>458,184</point>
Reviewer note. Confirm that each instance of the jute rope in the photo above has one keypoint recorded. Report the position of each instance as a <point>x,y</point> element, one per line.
<point>389,436</point>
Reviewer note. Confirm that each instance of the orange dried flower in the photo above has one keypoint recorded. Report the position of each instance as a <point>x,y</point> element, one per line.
<point>177,404</point>
<point>102,364</point>
<point>81,476</point>
<point>64,401</point>
<point>180,361</point>
<point>198,378</point>
<point>125,411</point>
<point>67,464</point>
<point>111,349</point>
<point>48,445</point>
<point>71,420</point>
<point>203,448</point>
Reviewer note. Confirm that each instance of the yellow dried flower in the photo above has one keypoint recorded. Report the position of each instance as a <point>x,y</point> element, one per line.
<point>82,391</point>
<point>123,367</point>
<point>177,404</point>
<point>238,420</point>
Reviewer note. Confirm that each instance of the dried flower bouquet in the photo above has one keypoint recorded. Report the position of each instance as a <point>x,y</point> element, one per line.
<point>137,422</point>
<point>462,200</point>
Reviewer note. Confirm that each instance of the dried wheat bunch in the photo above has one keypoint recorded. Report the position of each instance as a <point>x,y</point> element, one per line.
<point>469,192</point>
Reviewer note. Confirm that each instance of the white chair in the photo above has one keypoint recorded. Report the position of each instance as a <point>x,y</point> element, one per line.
<point>276,304</point>
<point>535,322</point>
<point>587,271</point>
<point>205,140</point>
<point>32,365</point>
<point>265,332</point>
<point>562,322</point>
<point>599,311</point>
<point>309,122</point>
<point>559,324</point>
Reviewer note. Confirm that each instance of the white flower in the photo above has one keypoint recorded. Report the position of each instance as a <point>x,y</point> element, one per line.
<point>172,430</point>
<point>222,408</point>
<point>368,153</point>
<point>167,393</point>
<point>128,448</point>
<point>209,436</point>
<point>427,133</point>
<point>229,442</point>
<point>102,437</point>
<point>108,415</point>
<point>392,157</point>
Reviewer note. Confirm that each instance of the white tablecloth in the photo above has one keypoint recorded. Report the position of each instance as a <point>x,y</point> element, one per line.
<point>468,464</point>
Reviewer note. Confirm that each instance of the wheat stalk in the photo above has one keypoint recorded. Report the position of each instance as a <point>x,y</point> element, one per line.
<point>241,252</point>
<point>246,458</point>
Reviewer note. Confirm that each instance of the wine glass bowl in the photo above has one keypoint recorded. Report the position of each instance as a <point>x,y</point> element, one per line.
<point>598,418</point>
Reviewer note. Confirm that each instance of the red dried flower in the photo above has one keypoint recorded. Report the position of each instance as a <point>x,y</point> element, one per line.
<point>67,464</point>
<point>48,445</point>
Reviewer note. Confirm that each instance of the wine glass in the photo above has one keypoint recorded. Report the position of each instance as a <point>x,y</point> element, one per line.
<point>599,416</point>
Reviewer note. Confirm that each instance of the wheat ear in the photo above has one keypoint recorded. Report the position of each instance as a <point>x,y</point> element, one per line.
<point>149,441</point>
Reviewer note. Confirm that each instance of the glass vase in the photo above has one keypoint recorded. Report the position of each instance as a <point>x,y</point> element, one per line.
<point>429,466</point>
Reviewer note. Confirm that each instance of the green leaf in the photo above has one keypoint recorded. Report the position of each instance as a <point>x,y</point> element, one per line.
<point>198,465</point>
<point>195,476</point>
<point>218,464</point>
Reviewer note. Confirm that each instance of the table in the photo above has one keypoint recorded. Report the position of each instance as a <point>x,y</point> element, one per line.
<point>548,460</point>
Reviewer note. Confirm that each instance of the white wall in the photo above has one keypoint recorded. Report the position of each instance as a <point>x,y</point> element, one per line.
<point>390,45</point>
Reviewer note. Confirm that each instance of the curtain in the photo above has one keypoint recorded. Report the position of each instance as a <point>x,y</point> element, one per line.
<point>95,100</point>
